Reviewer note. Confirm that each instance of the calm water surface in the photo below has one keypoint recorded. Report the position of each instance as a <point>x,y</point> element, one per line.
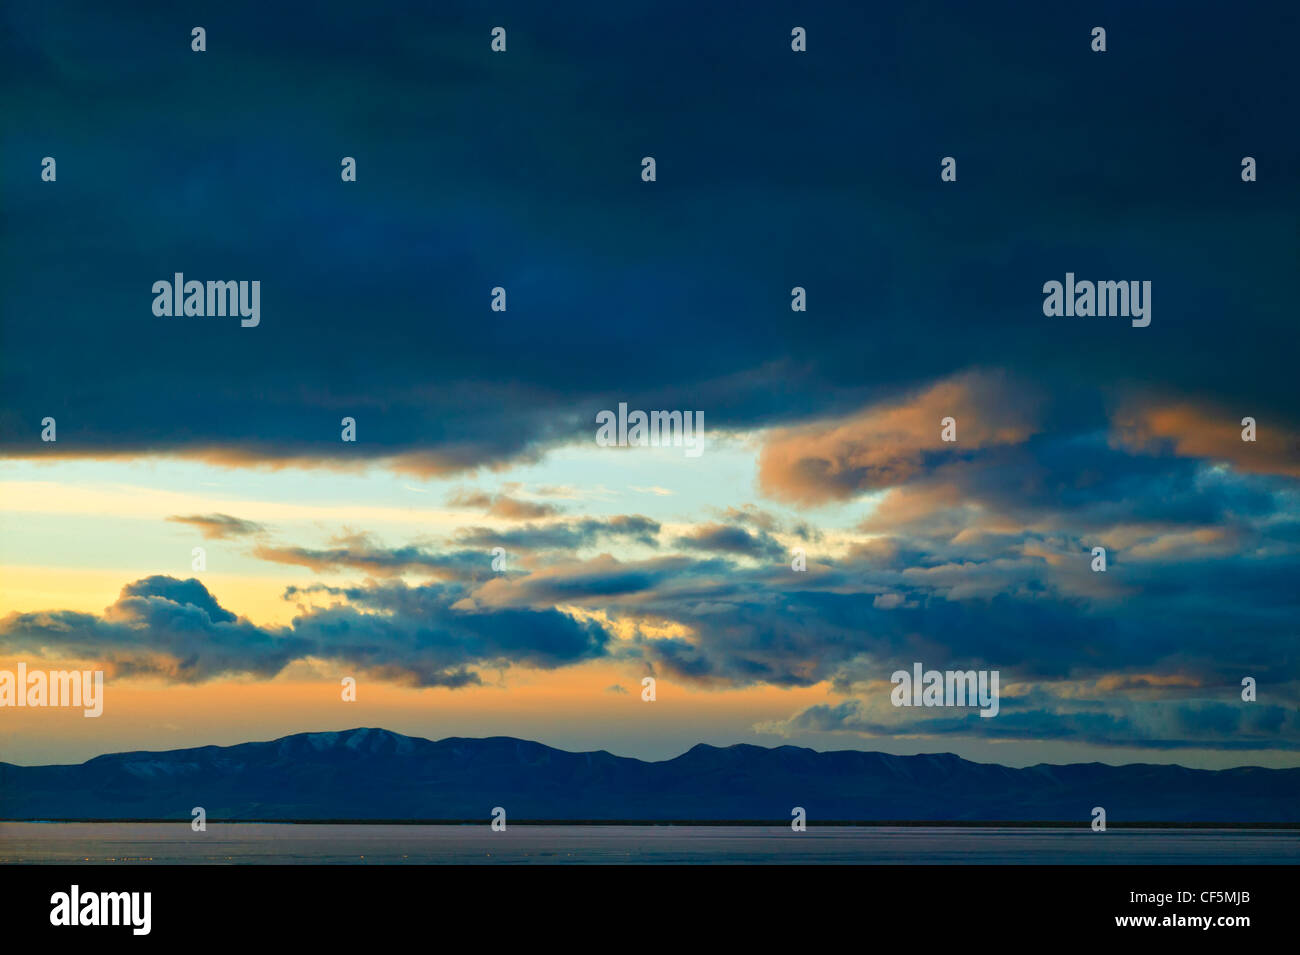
<point>224,843</point>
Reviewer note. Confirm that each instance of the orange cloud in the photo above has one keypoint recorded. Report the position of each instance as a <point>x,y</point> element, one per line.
<point>425,464</point>
<point>885,445</point>
<point>1198,431</point>
<point>903,506</point>
<point>503,505</point>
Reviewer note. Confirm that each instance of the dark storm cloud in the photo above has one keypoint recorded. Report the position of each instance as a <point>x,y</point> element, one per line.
<point>521,170</point>
<point>726,539</point>
<point>422,636</point>
<point>564,535</point>
<point>426,635</point>
<point>847,621</point>
<point>598,582</point>
<point>362,554</point>
<point>765,521</point>
<point>157,626</point>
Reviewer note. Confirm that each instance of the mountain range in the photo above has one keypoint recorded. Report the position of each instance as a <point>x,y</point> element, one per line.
<point>375,774</point>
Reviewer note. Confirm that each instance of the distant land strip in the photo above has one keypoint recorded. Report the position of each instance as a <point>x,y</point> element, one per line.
<point>860,823</point>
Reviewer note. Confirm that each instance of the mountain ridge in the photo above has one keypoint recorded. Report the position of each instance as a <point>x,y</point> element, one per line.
<point>370,773</point>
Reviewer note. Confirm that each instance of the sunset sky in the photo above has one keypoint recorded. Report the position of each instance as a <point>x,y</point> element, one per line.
<point>476,429</point>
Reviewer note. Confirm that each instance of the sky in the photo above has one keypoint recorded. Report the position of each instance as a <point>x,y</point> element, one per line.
<point>476,429</point>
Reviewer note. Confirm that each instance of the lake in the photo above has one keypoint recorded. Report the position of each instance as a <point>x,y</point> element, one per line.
<point>245,843</point>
